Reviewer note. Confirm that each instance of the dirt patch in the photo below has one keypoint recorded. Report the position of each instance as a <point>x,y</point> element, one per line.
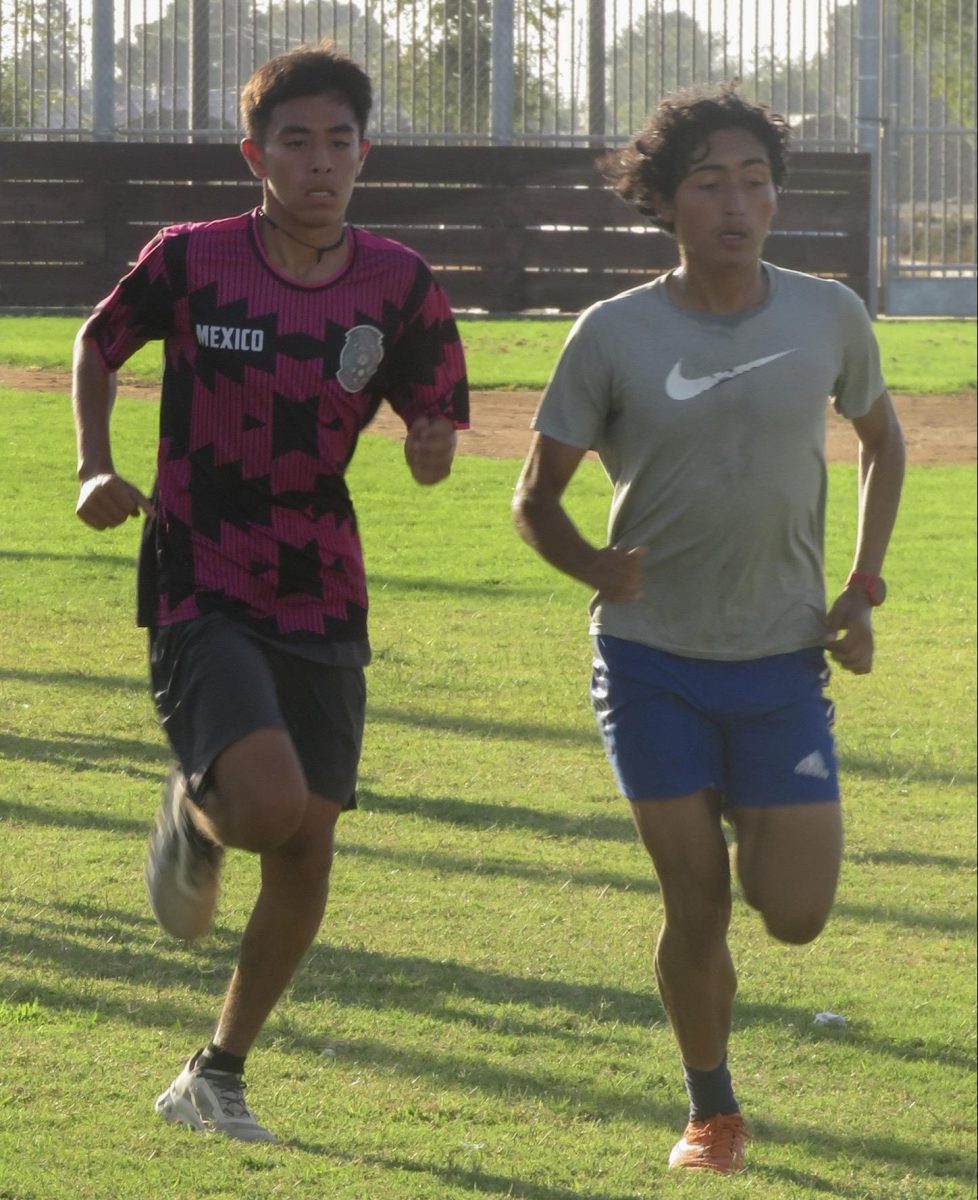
<point>939,430</point>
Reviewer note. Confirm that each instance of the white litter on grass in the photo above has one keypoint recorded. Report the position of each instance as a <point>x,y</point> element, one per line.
<point>831,1018</point>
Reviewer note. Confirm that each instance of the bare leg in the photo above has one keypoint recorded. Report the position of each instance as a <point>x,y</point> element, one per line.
<point>788,859</point>
<point>260,802</point>
<point>693,966</point>
<point>286,917</point>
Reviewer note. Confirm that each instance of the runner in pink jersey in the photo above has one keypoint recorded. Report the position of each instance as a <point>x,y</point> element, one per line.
<point>283,329</point>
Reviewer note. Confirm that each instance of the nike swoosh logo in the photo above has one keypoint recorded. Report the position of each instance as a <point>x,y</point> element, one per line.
<point>678,387</point>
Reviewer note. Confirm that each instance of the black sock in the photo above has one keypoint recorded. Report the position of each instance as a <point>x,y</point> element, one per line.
<point>213,1058</point>
<point>710,1092</point>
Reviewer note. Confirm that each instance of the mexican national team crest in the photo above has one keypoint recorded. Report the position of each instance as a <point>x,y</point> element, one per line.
<point>360,357</point>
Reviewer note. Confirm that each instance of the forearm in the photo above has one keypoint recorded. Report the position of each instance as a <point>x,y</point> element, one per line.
<point>544,524</point>
<point>93,395</point>
<point>881,470</point>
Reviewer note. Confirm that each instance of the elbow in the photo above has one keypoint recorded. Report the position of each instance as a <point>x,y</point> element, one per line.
<point>525,510</point>
<point>887,454</point>
<point>518,507</point>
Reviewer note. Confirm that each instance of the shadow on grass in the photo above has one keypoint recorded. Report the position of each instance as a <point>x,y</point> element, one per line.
<point>452,810</point>
<point>889,768</point>
<point>97,556</point>
<point>602,1102</point>
<point>122,683</point>
<point>642,883</point>
<point>507,731</point>
<point>89,943</point>
<point>438,991</point>
<point>911,858</point>
<point>70,818</point>
<point>493,588</point>
<point>81,752</point>
<point>875,914</point>
<point>452,864</point>
<point>923,1160</point>
<point>478,1181</point>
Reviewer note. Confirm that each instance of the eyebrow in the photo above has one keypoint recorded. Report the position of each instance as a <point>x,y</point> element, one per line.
<point>748,162</point>
<point>287,130</point>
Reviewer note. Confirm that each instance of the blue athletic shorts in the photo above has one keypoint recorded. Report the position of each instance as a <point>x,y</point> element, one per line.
<point>759,732</point>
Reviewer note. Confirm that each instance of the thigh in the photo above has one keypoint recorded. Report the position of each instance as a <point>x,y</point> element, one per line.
<point>685,840</point>
<point>213,687</point>
<point>323,707</point>
<point>778,743</point>
<point>658,740</point>
<point>788,860</point>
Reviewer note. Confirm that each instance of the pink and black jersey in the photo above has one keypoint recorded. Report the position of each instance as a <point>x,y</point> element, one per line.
<point>267,384</point>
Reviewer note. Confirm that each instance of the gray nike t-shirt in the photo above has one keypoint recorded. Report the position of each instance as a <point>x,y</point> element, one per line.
<point>712,430</point>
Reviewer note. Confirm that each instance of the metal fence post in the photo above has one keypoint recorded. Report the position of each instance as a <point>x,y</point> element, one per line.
<point>869,126</point>
<point>103,70</point>
<point>502,73</point>
<point>596,67</point>
<point>200,69</point>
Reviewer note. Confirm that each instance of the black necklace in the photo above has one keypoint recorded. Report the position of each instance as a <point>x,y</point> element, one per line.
<point>320,250</point>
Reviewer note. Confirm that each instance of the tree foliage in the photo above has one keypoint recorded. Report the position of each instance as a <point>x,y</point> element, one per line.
<point>940,37</point>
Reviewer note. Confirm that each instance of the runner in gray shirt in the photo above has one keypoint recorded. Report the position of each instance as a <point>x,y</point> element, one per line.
<point>705,394</point>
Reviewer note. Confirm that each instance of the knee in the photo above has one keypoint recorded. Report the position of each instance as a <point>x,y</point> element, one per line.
<point>259,818</point>
<point>790,919</point>
<point>795,928</point>
<point>701,923</point>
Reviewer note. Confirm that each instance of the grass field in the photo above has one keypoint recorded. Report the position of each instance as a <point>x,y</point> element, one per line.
<point>477,1017</point>
<point>918,356</point>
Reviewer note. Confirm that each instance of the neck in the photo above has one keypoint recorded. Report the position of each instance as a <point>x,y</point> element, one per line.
<point>718,292</point>
<point>293,251</point>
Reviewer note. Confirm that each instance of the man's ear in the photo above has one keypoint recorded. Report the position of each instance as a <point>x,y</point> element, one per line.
<point>663,209</point>
<point>364,147</point>
<point>252,153</point>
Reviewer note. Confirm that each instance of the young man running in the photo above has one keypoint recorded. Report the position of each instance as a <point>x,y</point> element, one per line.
<point>284,329</point>
<point>704,393</point>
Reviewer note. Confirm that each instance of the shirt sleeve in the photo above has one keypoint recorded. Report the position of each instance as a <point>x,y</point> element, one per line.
<point>139,309</point>
<point>426,375</point>
<point>575,403</point>
<point>860,380</point>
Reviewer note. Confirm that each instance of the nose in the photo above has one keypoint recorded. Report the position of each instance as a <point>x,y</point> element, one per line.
<point>734,198</point>
<point>321,160</point>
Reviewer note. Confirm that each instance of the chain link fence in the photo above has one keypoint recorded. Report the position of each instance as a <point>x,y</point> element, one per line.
<point>894,77</point>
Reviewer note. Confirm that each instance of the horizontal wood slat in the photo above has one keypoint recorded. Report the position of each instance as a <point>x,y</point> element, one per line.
<point>508,229</point>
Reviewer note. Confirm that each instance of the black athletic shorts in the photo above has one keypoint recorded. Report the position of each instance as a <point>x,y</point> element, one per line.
<point>214,681</point>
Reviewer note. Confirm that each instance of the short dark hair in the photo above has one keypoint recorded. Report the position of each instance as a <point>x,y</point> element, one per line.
<point>305,71</point>
<point>659,158</point>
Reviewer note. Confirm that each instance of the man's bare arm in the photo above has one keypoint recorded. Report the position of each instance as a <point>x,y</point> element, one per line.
<point>105,499</point>
<point>542,521</point>
<point>882,461</point>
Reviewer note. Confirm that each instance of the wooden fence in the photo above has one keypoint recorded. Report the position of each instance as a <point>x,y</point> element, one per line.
<point>507,229</point>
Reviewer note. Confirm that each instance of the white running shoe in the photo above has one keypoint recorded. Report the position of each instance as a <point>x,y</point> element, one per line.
<point>183,869</point>
<point>211,1102</point>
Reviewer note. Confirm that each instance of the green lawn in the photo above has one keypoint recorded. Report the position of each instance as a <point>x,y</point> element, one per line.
<point>918,356</point>
<point>477,1017</point>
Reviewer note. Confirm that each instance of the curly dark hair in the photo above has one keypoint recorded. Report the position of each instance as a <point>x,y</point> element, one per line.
<point>305,71</point>
<point>657,159</point>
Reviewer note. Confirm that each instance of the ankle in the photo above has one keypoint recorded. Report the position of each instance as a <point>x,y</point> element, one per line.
<point>710,1092</point>
<point>214,1058</point>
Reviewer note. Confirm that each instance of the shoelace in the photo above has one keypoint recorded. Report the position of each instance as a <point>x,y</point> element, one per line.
<point>232,1101</point>
<point>720,1135</point>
